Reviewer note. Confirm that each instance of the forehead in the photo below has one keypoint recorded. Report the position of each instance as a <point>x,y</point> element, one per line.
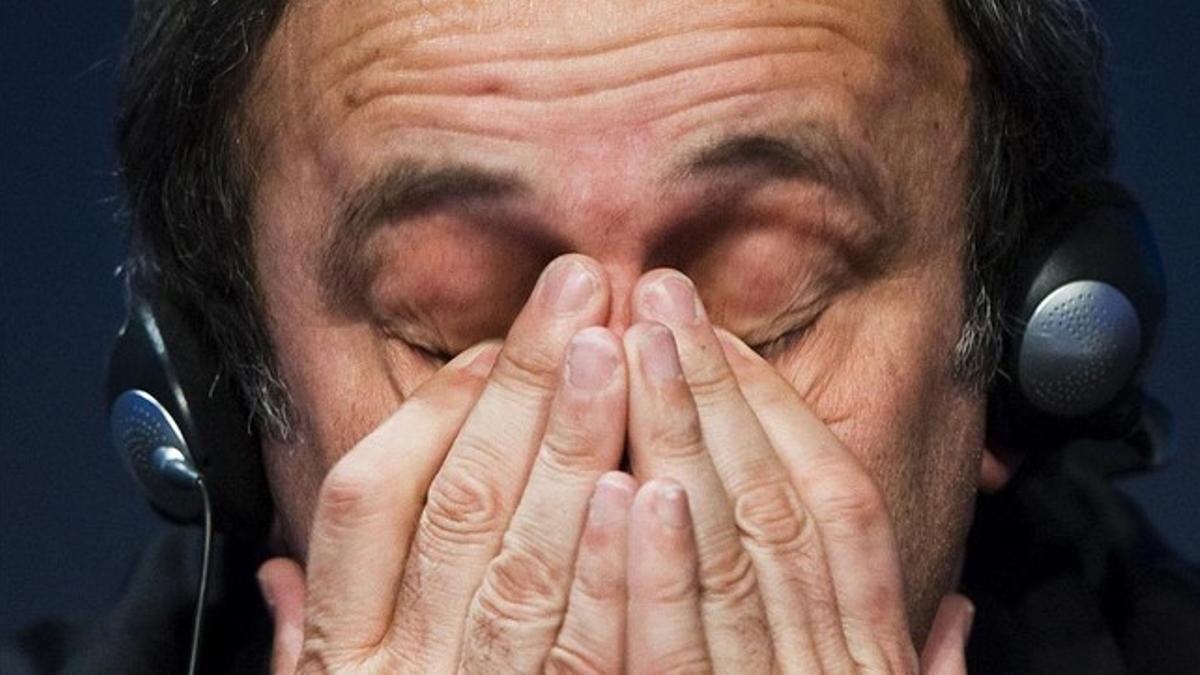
<point>566,29</point>
<point>599,68</point>
<point>593,103</point>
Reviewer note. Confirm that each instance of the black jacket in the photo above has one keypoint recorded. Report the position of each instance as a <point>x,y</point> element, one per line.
<point>1065,574</point>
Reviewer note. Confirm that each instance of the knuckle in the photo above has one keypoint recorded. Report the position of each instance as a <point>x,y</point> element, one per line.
<point>413,591</point>
<point>479,449</point>
<point>486,647</point>
<point>313,662</point>
<point>884,665</point>
<point>462,506</point>
<point>523,584</point>
<point>729,578</point>
<point>672,591</point>
<point>397,658</point>
<point>900,657</point>
<point>527,368</point>
<point>601,584</point>
<point>678,440</point>
<point>770,515</point>
<point>876,651</point>
<point>350,494</point>
<point>599,567</point>
<point>692,658</point>
<point>770,399</point>
<point>317,656</point>
<point>710,383</point>
<point>852,502</point>
<point>570,449</point>
<point>566,658</point>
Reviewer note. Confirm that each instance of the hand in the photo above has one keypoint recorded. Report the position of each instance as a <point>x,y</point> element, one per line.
<point>796,563</point>
<point>480,575</point>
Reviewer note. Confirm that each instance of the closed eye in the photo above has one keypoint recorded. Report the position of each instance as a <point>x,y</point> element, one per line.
<point>422,347</point>
<point>772,348</point>
<point>776,346</point>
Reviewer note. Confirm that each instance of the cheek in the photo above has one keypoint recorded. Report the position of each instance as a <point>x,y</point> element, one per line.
<point>344,381</point>
<point>880,373</point>
<point>883,382</point>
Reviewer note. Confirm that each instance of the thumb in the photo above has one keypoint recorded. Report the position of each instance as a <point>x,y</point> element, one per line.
<point>945,651</point>
<point>282,584</point>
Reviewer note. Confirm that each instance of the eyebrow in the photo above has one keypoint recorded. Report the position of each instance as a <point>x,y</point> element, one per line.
<point>807,153</point>
<point>406,189</point>
<point>409,188</point>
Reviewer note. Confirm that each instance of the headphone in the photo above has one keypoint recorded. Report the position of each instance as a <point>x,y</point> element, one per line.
<point>178,421</point>
<point>1088,299</point>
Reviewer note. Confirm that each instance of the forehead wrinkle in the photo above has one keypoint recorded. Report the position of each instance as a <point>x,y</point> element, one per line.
<point>449,50</point>
<point>374,44</point>
<point>472,64</point>
<point>565,79</point>
<point>647,103</point>
<point>558,30</point>
<point>385,33</point>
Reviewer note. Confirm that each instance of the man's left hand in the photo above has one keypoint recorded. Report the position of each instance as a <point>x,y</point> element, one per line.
<point>786,559</point>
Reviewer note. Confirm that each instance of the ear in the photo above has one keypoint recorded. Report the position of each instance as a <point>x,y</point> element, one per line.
<point>997,466</point>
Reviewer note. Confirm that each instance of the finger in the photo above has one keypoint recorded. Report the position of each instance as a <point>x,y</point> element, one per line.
<point>846,506</point>
<point>477,489</point>
<point>282,584</point>
<point>775,529</point>
<point>521,601</point>
<point>945,651</point>
<point>665,632</point>
<point>592,637</point>
<point>369,503</point>
<point>666,441</point>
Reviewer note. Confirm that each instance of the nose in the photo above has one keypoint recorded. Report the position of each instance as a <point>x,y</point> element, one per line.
<point>622,277</point>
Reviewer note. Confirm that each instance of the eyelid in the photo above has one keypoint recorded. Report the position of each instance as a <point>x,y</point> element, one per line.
<point>774,346</point>
<point>437,355</point>
<point>785,340</point>
<point>426,349</point>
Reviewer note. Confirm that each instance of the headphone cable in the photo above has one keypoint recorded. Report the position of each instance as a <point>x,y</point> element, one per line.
<point>202,590</point>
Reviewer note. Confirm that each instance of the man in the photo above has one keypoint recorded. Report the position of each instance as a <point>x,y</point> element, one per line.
<point>604,336</point>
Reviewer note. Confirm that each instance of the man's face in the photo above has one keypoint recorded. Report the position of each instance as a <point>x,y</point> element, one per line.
<point>803,162</point>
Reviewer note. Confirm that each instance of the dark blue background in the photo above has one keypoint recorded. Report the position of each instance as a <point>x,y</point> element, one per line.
<point>70,522</point>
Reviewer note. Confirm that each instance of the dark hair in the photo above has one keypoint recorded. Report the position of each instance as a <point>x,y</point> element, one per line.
<point>1039,124</point>
<point>185,156</point>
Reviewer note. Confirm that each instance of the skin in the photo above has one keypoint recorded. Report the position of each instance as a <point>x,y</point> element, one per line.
<point>413,490</point>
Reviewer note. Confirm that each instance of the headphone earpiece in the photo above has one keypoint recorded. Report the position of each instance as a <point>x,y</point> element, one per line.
<point>153,450</point>
<point>175,417</point>
<point>1086,304</point>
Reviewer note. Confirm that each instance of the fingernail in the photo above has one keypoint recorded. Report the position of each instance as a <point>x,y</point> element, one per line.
<point>968,622</point>
<point>731,345</point>
<point>673,300</point>
<point>659,359</point>
<point>567,287</point>
<point>591,361</point>
<point>265,589</point>
<point>670,505</point>
<point>481,364</point>
<point>611,499</point>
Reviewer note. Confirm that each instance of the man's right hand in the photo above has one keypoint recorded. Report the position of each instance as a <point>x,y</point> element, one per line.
<point>458,535</point>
